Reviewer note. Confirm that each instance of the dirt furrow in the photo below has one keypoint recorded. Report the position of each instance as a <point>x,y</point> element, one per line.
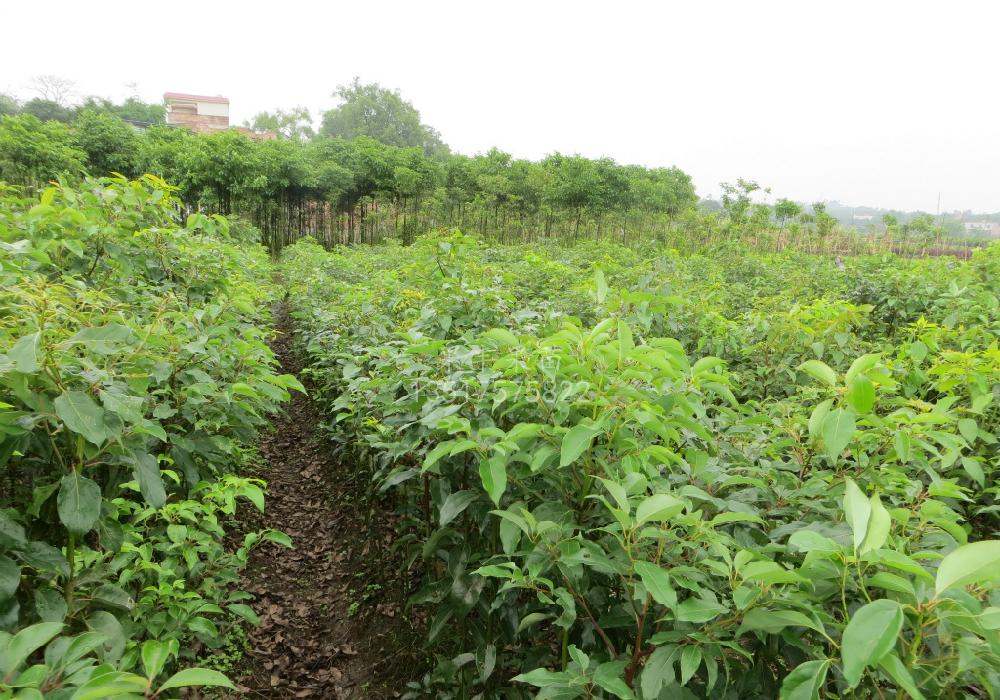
<point>332,624</point>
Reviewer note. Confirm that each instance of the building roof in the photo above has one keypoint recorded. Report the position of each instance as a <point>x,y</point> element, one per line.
<point>194,98</point>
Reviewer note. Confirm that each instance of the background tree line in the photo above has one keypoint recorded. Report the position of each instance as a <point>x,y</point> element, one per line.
<point>374,170</point>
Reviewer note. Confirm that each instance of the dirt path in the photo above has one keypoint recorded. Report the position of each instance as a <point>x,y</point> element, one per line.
<point>331,617</point>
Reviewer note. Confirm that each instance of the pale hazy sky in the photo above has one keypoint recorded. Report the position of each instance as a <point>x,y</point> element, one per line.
<point>879,102</point>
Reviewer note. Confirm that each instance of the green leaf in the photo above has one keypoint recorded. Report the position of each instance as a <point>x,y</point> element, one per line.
<point>78,503</point>
<point>773,621</point>
<point>660,507</point>
<point>879,523</point>
<point>574,443</point>
<point>501,337</point>
<point>690,661</point>
<point>838,428</point>
<point>103,340</point>
<point>901,442</point>
<point>871,634</point>
<point>109,685</point>
<point>860,366</point>
<point>658,671</point>
<point>146,470</point>
<point>544,678</point>
<point>82,415</point>
<point>861,394</point>
<point>10,578</point>
<point>817,417</point>
<point>625,341</point>
<point>455,504</point>
<point>820,371</point>
<point>435,455</point>
<point>25,643</point>
<point>601,286</point>
<point>969,429</point>
<point>278,537</point>
<point>532,619</point>
<point>812,541</point>
<point>768,573</point>
<point>974,470</point>
<point>154,657</point>
<point>891,582</point>
<point>611,677</point>
<point>698,610</point>
<point>50,605</point>
<point>977,562</point>
<point>618,493</point>
<point>11,533</point>
<point>129,408</point>
<point>493,473</point>
<point>858,510</point>
<point>196,676</point>
<point>805,681</point>
<point>897,670</point>
<point>24,354</point>
<point>656,581</point>
<point>244,611</point>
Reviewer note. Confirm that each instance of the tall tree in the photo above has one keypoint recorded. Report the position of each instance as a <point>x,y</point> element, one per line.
<point>785,210</point>
<point>52,88</point>
<point>295,123</point>
<point>132,109</point>
<point>110,144</point>
<point>8,104</point>
<point>47,110</point>
<point>382,114</point>
<point>33,151</point>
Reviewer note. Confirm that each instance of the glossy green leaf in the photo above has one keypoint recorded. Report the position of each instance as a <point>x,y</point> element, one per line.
<point>861,394</point>
<point>817,417</point>
<point>838,429</point>
<point>820,371</point>
<point>879,523</point>
<point>155,655</point>
<point>575,443</point>
<point>871,634</point>
<point>656,581</point>
<point>196,677</point>
<point>805,681</point>
<point>858,510</point>
<point>974,563</point>
<point>660,507</point>
<point>26,642</point>
<point>493,473</point>
<point>898,671</point>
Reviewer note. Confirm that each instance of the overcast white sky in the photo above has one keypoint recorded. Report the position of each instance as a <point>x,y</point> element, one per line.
<point>879,102</point>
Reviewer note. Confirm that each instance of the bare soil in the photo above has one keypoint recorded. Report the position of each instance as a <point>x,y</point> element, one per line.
<point>332,609</point>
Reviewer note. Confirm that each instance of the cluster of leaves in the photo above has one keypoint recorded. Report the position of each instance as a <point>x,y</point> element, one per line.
<point>805,511</point>
<point>134,376</point>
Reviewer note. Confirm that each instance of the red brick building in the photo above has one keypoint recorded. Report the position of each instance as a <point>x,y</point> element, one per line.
<point>200,113</point>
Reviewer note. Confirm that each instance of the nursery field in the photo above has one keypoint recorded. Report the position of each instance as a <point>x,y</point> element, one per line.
<point>640,473</point>
<point>521,471</point>
<point>134,379</point>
